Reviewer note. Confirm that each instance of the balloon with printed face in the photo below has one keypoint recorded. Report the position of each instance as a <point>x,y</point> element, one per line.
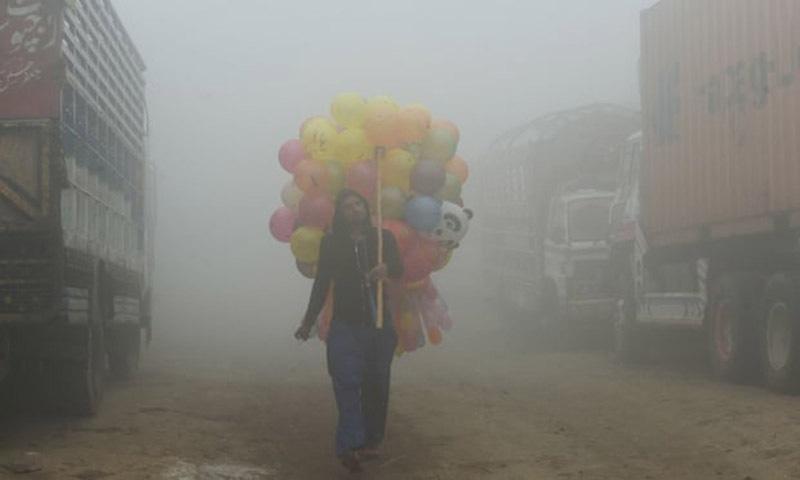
<point>305,244</point>
<point>310,175</point>
<point>290,154</point>
<point>348,109</point>
<point>282,223</point>
<point>382,123</point>
<point>351,146</point>
<point>318,138</point>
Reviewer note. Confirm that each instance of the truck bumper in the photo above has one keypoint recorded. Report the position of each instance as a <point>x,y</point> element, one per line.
<point>591,311</point>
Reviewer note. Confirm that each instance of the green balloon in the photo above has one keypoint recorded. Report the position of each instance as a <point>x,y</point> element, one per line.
<point>439,145</point>
<point>393,202</point>
<point>451,191</point>
<point>336,177</point>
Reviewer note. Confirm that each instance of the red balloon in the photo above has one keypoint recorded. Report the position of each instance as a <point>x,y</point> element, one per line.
<point>402,234</point>
<point>362,177</point>
<point>418,262</point>
<point>282,224</point>
<point>316,210</point>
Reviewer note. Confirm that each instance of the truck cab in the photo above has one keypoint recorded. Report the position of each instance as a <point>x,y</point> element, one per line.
<point>576,255</point>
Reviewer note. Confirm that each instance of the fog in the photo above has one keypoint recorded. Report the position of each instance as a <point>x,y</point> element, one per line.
<point>230,81</point>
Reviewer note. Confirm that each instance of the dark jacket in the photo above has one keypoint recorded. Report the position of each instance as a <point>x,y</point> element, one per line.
<point>345,264</point>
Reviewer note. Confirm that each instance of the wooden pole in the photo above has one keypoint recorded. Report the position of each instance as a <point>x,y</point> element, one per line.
<point>379,154</point>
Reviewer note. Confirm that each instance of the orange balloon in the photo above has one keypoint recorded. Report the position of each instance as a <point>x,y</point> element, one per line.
<point>311,175</point>
<point>415,120</point>
<point>434,335</point>
<point>447,125</point>
<point>458,167</point>
<point>382,125</point>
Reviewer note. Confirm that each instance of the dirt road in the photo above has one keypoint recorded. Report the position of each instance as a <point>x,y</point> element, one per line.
<point>483,405</point>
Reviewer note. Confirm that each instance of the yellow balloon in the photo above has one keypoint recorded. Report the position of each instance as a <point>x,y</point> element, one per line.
<point>351,146</point>
<point>348,109</point>
<point>305,243</point>
<point>382,123</point>
<point>384,100</point>
<point>396,169</point>
<point>318,138</point>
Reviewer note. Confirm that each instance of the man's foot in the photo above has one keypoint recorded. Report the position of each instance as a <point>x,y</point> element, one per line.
<point>350,462</point>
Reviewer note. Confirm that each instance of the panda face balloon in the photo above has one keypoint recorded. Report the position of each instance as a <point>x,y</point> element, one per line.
<point>453,225</point>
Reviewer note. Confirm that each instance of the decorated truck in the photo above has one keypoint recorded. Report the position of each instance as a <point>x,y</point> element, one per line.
<point>76,201</point>
<point>706,223</point>
<point>547,189</point>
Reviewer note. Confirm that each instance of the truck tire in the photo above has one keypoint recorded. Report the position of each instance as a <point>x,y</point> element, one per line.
<point>730,326</point>
<point>780,334</point>
<point>628,339</point>
<point>80,381</point>
<point>124,347</point>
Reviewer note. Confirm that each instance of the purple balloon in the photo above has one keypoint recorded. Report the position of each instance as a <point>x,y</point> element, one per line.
<point>428,177</point>
<point>290,154</point>
<point>282,223</point>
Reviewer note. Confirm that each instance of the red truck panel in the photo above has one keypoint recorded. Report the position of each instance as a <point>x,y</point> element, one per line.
<point>721,104</point>
<point>30,66</point>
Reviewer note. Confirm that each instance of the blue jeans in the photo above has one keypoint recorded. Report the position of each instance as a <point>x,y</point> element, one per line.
<point>359,363</point>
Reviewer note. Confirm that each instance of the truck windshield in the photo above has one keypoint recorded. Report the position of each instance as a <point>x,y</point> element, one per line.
<point>588,219</point>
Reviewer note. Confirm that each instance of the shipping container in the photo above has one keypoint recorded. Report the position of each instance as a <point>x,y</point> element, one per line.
<point>720,84</point>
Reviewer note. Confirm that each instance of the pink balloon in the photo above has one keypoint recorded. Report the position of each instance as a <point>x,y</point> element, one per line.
<point>362,178</point>
<point>290,154</point>
<point>282,223</point>
<point>316,210</point>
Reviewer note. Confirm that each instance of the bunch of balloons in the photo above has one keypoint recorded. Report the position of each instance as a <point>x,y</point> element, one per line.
<point>363,144</point>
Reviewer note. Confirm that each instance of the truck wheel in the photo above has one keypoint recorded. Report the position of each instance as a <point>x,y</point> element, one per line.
<point>730,332</point>
<point>628,338</point>
<point>124,351</point>
<point>780,335</point>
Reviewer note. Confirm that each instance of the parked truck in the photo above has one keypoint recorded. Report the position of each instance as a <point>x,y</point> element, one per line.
<point>706,223</point>
<point>76,201</point>
<point>548,186</point>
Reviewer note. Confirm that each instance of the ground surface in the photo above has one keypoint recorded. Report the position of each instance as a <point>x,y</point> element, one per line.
<point>486,404</point>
